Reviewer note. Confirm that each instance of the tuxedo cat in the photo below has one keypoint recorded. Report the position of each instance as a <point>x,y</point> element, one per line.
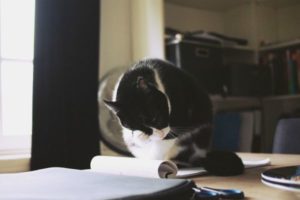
<point>165,114</point>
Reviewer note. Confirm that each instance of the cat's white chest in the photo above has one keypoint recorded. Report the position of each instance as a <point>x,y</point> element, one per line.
<point>144,146</point>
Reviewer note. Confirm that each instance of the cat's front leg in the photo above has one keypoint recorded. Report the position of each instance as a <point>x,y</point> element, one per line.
<point>187,156</point>
<point>192,146</point>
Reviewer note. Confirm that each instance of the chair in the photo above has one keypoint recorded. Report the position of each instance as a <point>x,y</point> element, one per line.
<point>287,136</point>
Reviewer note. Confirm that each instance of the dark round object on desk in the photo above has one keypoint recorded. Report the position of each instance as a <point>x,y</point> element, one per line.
<point>223,163</point>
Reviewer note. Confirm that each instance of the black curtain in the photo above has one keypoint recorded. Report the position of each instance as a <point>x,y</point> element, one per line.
<point>65,111</point>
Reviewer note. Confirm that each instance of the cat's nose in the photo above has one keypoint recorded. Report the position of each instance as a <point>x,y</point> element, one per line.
<point>148,131</point>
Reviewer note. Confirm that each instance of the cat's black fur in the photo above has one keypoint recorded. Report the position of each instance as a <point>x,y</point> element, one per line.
<point>155,94</point>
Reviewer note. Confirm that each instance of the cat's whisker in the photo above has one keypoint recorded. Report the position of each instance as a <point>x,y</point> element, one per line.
<point>172,134</point>
<point>177,132</point>
<point>184,128</point>
<point>181,130</point>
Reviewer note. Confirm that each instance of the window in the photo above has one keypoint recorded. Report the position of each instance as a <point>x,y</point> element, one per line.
<point>16,74</point>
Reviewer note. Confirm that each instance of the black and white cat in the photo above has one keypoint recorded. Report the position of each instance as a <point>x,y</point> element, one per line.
<point>165,114</point>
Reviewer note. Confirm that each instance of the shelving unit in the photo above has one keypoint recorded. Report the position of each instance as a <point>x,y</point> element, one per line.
<point>221,104</point>
<point>280,45</point>
<point>284,61</point>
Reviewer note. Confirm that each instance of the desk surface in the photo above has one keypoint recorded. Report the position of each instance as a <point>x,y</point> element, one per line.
<point>250,181</point>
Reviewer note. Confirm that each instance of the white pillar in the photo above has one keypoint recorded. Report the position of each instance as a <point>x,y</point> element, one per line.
<point>147,19</point>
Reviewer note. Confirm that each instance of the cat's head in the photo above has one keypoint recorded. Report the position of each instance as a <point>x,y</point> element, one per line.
<point>139,105</point>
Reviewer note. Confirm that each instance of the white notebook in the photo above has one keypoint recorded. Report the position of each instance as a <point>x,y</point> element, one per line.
<point>153,168</point>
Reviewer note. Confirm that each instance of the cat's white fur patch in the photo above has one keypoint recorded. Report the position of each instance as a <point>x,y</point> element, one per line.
<point>148,147</point>
<point>161,87</point>
<point>159,134</point>
<point>198,151</point>
<point>114,93</point>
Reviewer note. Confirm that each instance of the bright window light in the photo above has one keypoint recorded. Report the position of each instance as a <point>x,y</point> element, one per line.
<point>16,92</point>
<point>16,71</point>
<point>17,29</point>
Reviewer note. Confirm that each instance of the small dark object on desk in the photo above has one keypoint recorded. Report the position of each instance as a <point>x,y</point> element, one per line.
<point>207,193</point>
<point>229,164</point>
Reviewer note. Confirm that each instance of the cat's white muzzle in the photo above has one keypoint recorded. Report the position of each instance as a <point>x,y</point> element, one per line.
<point>159,134</point>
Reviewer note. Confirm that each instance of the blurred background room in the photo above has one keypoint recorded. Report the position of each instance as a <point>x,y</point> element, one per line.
<point>57,56</point>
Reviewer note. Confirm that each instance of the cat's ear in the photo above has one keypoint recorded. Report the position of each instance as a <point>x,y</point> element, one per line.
<point>141,83</point>
<point>113,105</point>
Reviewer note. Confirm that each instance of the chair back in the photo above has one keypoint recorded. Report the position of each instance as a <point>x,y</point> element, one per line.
<point>287,136</point>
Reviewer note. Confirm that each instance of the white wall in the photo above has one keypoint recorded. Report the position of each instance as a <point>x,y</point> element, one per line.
<point>147,28</point>
<point>267,24</point>
<point>238,23</point>
<point>289,22</point>
<point>115,35</point>
<point>130,30</point>
<point>191,19</point>
<point>278,24</point>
